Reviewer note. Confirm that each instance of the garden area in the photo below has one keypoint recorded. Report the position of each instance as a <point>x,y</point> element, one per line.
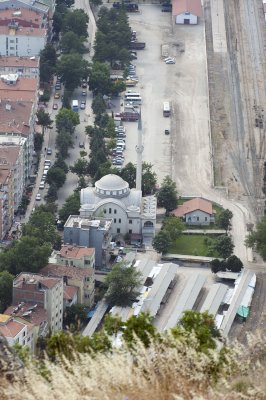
<point>190,245</point>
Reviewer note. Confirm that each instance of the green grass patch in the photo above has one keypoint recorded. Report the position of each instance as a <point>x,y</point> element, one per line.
<point>193,245</point>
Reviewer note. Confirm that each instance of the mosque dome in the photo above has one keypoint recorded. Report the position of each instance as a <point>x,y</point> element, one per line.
<point>111,186</point>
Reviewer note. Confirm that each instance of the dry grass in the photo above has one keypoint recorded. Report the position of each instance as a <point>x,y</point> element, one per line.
<point>163,372</point>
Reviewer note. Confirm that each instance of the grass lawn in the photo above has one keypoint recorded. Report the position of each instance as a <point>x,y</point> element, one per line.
<point>190,245</point>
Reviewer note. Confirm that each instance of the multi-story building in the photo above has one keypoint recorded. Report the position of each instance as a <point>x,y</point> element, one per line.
<point>26,67</point>
<point>81,278</point>
<point>76,256</point>
<point>15,331</point>
<point>90,232</point>
<point>13,158</point>
<point>42,291</point>
<point>17,113</point>
<point>6,198</point>
<point>17,40</point>
<point>35,5</point>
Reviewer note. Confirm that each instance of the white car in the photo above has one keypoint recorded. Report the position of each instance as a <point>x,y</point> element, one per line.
<point>172,61</point>
<point>46,168</point>
<point>42,184</point>
<point>47,163</point>
<point>38,197</point>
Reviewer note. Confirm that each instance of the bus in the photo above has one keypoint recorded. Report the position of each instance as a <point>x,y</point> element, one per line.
<point>75,105</point>
<point>133,100</point>
<point>166,109</point>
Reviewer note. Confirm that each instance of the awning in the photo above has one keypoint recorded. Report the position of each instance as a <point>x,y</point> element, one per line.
<point>243,311</point>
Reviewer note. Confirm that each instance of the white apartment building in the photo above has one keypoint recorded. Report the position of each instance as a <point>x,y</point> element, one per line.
<point>15,331</point>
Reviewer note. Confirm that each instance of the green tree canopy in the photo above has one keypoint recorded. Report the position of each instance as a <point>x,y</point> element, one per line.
<point>128,173</point>
<point>6,286</point>
<point>167,196</point>
<point>51,195</point>
<point>224,219</point>
<point>162,241</point>
<point>80,167</point>
<point>149,179</point>
<point>56,176</point>
<point>43,119</point>
<point>234,264</point>
<point>223,245</point>
<point>257,238</point>
<point>72,68</point>
<point>76,21</point>
<point>122,284</point>
<point>174,226</point>
<point>71,207</point>
<point>67,120</point>
<point>25,255</point>
<point>98,105</point>
<point>75,315</point>
<point>217,265</point>
<point>42,226</point>
<point>72,43</point>
<point>99,78</point>
<point>47,63</point>
<point>63,142</point>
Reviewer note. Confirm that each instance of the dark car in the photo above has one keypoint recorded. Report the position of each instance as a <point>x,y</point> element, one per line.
<point>81,145</point>
<point>166,132</point>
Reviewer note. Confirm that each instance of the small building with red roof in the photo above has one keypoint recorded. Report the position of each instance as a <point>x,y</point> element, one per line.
<point>196,211</point>
<point>186,11</point>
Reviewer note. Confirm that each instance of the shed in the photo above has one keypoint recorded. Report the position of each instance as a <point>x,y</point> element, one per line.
<point>186,11</point>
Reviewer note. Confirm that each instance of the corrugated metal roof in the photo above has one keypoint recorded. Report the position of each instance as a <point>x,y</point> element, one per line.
<point>214,298</point>
<point>186,299</point>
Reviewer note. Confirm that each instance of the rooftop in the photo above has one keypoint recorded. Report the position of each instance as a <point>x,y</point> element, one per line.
<point>77,252</point>
<point>182,6</point>
<point>22,84</point>
<point>32,62</point>
<point>15,117</point>
<point>9,153</point>
<point>193,205</point>
<point>32,279</point>
<point>31,312</point>
<point>61,271</point>
<point>111,182</point>
<point>88,223</point>
<point>23,14</point>
<point>11,328</point>
<point>4,174</point>
<point>23,31</point>
<point>70,292</point>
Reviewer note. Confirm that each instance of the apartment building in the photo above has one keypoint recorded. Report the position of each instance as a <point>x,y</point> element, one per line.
<point>76,256</point>
<point>81,278</point>
<point>16,331</point>
<point>26,67</point>
<point>6,199</point>
<point>45,292</point>
<point>13,157</point>
<point>17,113</point>
<point>35,5</point>
<point>90,232</point>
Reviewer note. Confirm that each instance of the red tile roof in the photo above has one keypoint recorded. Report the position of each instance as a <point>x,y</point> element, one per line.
<point>9,153</point>
<point>69,271</point>
<point>193,205</point>
<point>11,328</point>
<point>25,278</point>
<point>22,84</point>
<point>36,317</point>
<point>26,62</point>
<point>182,6</point>
<point>69,292</point>
<point>77,252</point>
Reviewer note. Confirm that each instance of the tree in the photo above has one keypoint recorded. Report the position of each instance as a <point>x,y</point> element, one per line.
<point>223,245</point>
<point>25,255</point>
<point>128,173</point>
<point>43,119</point>
<point>162,241</point>
<point>72,68</point>
<point>76,21</point>
<point>60,163</point>
<point>257,239</point>
<point>71,207</point>
<point>217,265</point>
<point>6,286</point>
<point>203,327</point>
<point>234,264</point>
<point>63,142</point>
<point>72,43</point>
<point>99,78</point>
<point>122,283</point>
<point>41,225</point>
<point>38,141</point>
<point>96,2</point>
<point>174,226</point>
<point>224,219</point>
<point>51,195</point>
<point>167,196</point>
<point>80,167</point>
<point>47,63</point>
<point>67,120</point>
<point>56,176</point>
<point>98,105</point>
<point>141,327</point>
<point>149,179</point>
<point>75,315</point>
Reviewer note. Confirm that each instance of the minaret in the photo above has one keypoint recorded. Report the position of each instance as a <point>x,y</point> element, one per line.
<point>139,150</point>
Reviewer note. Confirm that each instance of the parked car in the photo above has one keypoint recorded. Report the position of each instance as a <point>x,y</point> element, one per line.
<point>47,162</point>
<point>49,151</point>
<point>57,95</point>
<point>84,93</point>
<point>83,105</point>
<point>42,184</point>
<point>38,197</point>
<point>172,61</point>
<point>166,132</point>
<point>81,145</point>
<point>55,106</point>
<point>58,86</point>
<point>46,168</point>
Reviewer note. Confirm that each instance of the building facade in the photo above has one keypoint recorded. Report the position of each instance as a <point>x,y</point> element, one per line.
<point>27,67</point>
<point>6,199</point>
<point>131,213</point>
<point>90,232</point>
<point>15,331</point>
<point>43,291</point>
<point>196,211</point>
<point>186,12</point>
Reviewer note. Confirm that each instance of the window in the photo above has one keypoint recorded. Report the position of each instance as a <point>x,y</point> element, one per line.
<point>24,342</point>
<point>130,221</point>
<point>115,211</point>
<point>118,230</point>
<point>104,211</point>
<point>119,220</point>
<point>206,219</point>
<point>197,218</point>
<point>71,263</point>
<point>110,210</point>
<point>11,41</point>
<point>130,231</point>
<point>115,220</point>
<point>87,262</point>
<point>12,48</point>
<point>24,333</point>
